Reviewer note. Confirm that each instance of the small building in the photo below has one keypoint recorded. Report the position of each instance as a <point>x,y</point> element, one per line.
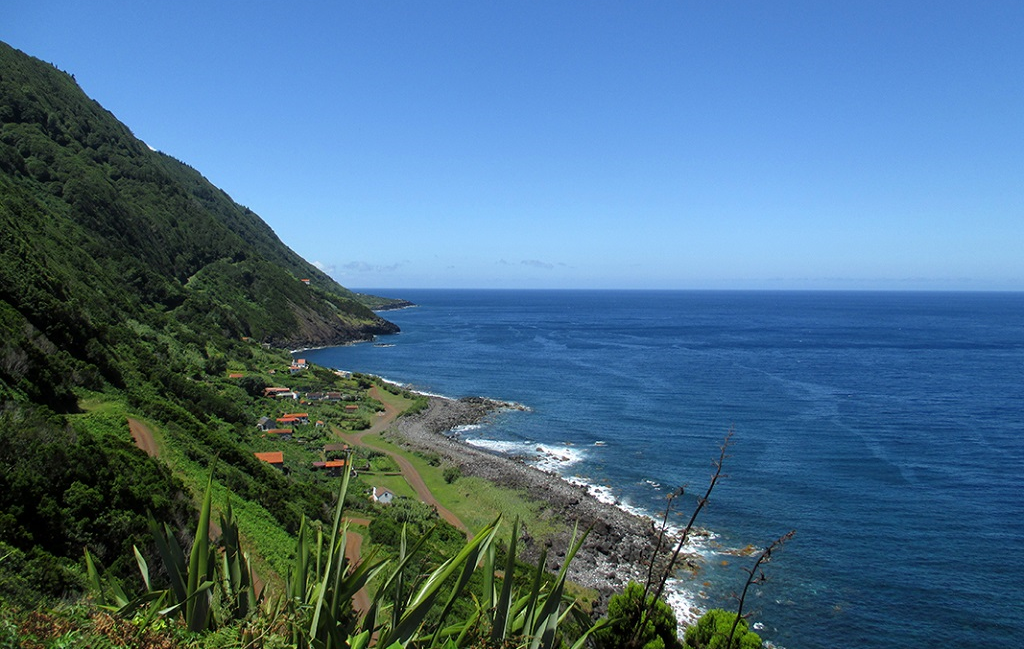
<point>264,424</point>
<point>351,408</point>
<point>235,375</point>
<point>335,467</point>
<point>382,496</point>
<point>281,433</point>
<point>320,423</point>
<point>275,392</point>
<point>273,458</point>
<point>299,417</point>
<point>287,421</point>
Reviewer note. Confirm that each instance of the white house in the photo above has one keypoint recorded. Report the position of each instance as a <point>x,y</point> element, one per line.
<point>382,496</point>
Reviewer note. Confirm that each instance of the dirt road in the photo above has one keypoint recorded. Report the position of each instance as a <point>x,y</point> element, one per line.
<point>409,472</point>
<point>143,437</point>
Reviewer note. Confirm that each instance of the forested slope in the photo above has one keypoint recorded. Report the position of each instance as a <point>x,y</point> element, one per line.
<point>131,286</point>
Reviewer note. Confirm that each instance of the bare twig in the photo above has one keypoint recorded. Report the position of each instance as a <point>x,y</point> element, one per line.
<point>701,502</point>
<point>648,602</point>
<point>755,575</point>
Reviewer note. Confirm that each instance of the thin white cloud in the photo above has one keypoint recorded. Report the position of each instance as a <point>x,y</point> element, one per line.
<point>364,267</point>
<point>536,263</point>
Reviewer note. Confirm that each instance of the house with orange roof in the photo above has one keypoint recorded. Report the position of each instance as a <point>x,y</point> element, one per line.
<point>300,417</point>
<point>281,433</point>
<point>335,467</point>
<point>273,458</point>
<point>276,392</point>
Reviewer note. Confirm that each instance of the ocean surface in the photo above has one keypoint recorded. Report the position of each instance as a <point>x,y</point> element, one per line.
<point>887,429</point>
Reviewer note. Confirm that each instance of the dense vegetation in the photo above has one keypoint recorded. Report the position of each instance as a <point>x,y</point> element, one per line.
<point>130,286</point>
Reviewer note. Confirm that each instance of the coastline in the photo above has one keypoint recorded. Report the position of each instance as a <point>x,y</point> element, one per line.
<point>619,545</point>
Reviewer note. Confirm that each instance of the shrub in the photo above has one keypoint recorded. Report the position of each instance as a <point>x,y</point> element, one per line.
<point>712,632</point>
<point>452,473</point>
<point>625,609</point>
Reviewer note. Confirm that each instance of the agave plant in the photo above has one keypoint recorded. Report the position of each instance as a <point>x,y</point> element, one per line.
<point>322,584</point>
<point>521,615</point>
<point>193,582</point>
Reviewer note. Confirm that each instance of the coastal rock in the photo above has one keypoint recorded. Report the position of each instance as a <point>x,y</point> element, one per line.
<point>619,544</point>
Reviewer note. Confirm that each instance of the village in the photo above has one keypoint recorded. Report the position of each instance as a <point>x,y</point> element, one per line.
<point>326,414</point>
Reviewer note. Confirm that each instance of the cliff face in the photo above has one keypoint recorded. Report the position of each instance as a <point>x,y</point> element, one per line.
<point>101,235</point>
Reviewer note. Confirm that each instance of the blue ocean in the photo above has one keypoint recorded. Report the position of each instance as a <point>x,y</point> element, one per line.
<point>887,429</point>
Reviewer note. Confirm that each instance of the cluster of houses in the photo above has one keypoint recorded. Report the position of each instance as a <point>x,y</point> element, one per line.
<point>334,468</point>
<point>283,428</point>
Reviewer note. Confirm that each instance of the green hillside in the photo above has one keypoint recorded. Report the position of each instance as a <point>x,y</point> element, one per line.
<point>132,288</point>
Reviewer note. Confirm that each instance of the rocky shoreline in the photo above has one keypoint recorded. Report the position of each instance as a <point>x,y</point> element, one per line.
<point>619,546</point>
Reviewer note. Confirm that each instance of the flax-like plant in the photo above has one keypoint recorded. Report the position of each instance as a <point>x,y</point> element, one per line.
<point>191,592</point>
<point>321,585</point>
<point>405,626</point>
<point>515,614</point>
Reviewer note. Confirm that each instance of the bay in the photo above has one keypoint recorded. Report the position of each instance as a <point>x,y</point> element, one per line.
<point>887,429</point>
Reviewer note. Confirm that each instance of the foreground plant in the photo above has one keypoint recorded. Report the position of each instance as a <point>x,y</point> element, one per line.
<point>193,593</point>
<point>214,587</point>
<point>639,618</point>
<point>322,585</point>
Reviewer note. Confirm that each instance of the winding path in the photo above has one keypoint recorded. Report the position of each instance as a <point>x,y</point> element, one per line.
<point>353,550</point>
<point>143,437</point>
<point>409,472</point>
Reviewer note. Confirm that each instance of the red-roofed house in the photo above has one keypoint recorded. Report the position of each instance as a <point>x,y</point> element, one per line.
<point>281,433</point>
<point>274,458</point>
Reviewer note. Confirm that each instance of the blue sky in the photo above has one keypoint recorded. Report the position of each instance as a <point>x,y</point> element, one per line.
<point>777,145</point>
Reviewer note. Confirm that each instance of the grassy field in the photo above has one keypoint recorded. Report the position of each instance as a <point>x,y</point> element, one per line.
<point>475,501</point>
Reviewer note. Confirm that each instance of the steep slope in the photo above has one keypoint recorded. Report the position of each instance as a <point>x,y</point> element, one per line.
<point>148,229</point>
<point>129,285</point>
